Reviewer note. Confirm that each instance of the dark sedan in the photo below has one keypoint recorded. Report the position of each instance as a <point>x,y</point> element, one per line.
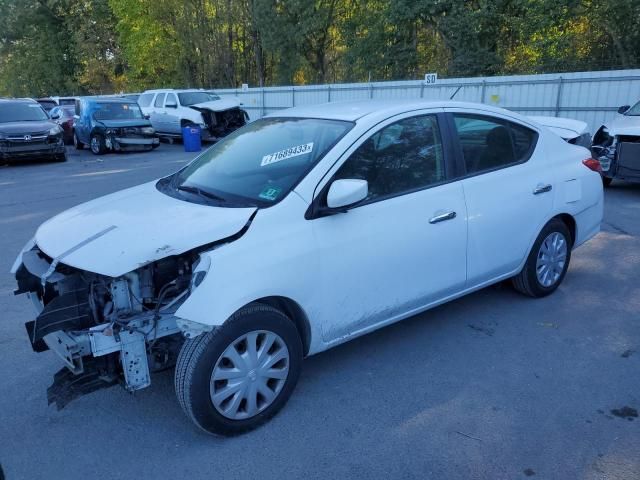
<point>63,116</point>
<point>26,132</point>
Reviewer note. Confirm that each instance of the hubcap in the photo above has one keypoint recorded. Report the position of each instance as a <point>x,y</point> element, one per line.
<point>552,257</point>
<point>249,374</point>
<point>95,145</point>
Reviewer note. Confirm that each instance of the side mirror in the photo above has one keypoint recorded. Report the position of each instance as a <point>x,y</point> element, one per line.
<point>146,116</point>
<point>346,192</point>
<point>55,116</point>
<point>623,109</point>
<point>171,105</point>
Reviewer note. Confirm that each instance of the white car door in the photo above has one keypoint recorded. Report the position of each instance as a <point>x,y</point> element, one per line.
<point>171,116</point>
<point>508,189</point>
<point>404,246</point>
<point>158,115</point>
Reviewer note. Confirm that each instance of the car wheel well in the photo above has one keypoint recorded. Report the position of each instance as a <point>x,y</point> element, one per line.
<point>570,222</point>
<point>295,313</point>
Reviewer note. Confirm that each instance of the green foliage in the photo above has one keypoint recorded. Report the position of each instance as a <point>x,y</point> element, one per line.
<point>50,47</point>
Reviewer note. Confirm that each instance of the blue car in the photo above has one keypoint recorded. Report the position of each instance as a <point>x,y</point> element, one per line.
<point>112,124</point>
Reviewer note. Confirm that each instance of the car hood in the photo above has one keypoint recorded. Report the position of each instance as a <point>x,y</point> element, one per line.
<point>18,128</point>
<point>624,125</point>
<point>118,233</point>
<point>566,128</point>
<point>217,105</point>
<point>124,123</point>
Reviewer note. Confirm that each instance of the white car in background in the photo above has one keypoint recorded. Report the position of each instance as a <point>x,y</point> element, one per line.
<point>171,110</point>
<point>570,130</point>
<point>296,233</point>
<point>616,145</point>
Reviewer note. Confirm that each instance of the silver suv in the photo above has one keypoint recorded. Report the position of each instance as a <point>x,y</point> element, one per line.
<point>170,110</point>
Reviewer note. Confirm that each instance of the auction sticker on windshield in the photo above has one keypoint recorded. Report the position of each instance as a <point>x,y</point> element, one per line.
<point>270,193</point>
<point>287,153</point>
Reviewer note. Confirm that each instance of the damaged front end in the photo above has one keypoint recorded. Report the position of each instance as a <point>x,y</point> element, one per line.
<point>219,124</point>
<point>106,330</point>
<point>618,154</point>
<point>131,139</point>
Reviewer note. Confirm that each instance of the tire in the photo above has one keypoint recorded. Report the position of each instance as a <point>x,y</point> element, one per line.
<point>531,280</point>
<point>212,352</point>
<point>606,181</point>
<point>97,145</point>
<point>77,143</point>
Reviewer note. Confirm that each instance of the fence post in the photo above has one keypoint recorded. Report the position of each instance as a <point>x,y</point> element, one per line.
<point>483,91</point>
<point>421,89</point>
<point>559,97</point>
<point>263,109</point>
<point>293,96</point>
<point>329,93</point>
<point>370,90</point>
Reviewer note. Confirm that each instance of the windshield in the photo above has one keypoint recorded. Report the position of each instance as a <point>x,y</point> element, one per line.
<point>117,111</point>
<point>21,112</point>
<point>192,98</point>
<point>634,111</point>
<point>260,163</point>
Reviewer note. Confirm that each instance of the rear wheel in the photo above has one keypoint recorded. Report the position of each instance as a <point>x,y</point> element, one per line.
<point>547,262</point>
<point>236,377</point>
<point>77,143</point>
<point>97,144</point>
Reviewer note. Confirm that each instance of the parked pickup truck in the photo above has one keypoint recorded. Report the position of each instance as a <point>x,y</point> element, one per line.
<point>170,110</point>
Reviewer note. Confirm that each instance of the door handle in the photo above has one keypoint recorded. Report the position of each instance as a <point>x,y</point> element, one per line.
<point>542,189</point>
<point>442,217</point>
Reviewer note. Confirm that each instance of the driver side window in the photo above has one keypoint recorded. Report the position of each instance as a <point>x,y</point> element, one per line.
<point>402,157</point>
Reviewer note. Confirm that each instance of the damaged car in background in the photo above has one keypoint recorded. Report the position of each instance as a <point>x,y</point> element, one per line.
<point>112,124</point>
<point>294,234</point>
<point>616,145</point>
<point>171,110</point>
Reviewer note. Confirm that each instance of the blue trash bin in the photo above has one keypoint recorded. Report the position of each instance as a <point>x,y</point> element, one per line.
<point>192,139</point>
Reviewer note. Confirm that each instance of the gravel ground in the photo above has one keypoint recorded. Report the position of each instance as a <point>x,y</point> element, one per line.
<point>491,386</point>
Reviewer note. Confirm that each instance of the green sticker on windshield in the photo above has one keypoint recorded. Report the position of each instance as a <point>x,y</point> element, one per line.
<point>270,193</point>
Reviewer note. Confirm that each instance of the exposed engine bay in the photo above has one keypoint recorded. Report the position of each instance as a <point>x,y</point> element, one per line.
<point>222,123</point>
<point>106,330</point>
<point>619,155</point>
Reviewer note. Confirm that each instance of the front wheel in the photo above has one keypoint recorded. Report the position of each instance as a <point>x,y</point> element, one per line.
<point>236,377</point>
<point>97,144</point>
<point>547,262</point>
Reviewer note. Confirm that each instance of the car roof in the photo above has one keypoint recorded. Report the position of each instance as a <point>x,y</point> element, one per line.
<point>176,90</point>
<point>98,99</point>
<point>17,100</point>
<point>356,110</point>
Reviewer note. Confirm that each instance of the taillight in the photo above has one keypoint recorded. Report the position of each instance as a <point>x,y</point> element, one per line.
<point>592,164</point>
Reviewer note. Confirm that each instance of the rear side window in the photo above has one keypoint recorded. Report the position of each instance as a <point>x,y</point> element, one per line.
<point>145,99</point>
<point>489,143</point>
<point>159,100</point>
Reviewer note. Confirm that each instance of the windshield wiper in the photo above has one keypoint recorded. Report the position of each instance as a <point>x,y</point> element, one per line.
<point>201,192</point>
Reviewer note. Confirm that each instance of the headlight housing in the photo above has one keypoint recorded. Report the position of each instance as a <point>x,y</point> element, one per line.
<point>147,130</point>
<point>55,130</point>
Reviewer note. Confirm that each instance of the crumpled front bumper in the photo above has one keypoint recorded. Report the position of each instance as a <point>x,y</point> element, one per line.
<point>132,144</point>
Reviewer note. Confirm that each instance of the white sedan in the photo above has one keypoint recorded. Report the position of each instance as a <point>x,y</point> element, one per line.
<point>294,234</point>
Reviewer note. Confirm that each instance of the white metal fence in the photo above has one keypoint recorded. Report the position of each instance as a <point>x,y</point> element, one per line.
<point>593,97</point>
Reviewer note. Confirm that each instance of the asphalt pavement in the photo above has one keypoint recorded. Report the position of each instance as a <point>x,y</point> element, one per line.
<point>491,386</point>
